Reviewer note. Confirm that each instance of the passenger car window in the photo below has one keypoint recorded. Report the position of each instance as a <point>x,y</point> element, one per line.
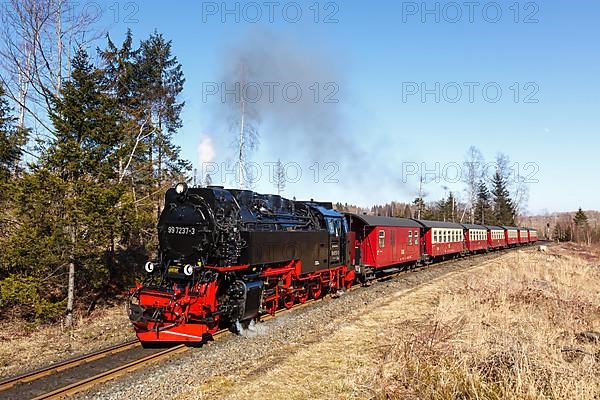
<point>381,239</point>
<point>410,238</point>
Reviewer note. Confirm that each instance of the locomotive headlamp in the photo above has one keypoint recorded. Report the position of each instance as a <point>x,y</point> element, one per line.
<point>188,270</point>
<point>149,267</point>
<point>181,188</point>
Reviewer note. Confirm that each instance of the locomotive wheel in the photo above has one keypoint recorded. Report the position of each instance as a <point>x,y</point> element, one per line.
<point>214,329</point>
<point>302,296</point>
<point>288,300</point>
<point>349,280</point>
<point>315,290</point>
<point>349,283</point>
<point>271,307</point>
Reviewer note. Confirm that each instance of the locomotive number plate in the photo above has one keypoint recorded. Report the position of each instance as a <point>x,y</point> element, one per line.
<point>181,230</point>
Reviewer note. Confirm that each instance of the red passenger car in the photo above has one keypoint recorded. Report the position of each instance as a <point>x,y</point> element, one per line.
<point>512,235</point>
<point>385,241</point>
<point>441,239</point>
<point>496,237</point>
<point>523,236</point>
<point>533,236</point>
<point>476,237</point>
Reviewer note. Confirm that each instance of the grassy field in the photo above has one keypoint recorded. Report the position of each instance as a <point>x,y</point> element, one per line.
<point>510,328</point>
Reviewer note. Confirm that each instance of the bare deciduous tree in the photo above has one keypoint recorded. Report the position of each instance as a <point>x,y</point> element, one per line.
<point>473,170</point>
<point>279,178</point>
<point>244,121</point>
<point>35,39</point>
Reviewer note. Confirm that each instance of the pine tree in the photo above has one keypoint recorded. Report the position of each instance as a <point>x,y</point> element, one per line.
<point>448,208</point>
<point>87,133</point>
<point>580,219</point>
<point>504,211</point>
<point>420,208</point>
<point>83,157</point>
<point>426,212</point>
<point>444,210</point>
<point>483,205</point>
<point>581,225</point>
<point>146,82</point>
<point>161,83</point>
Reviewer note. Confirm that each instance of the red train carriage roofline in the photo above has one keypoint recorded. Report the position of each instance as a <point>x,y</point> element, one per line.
<point>438,224</point>
<point>372,220</point>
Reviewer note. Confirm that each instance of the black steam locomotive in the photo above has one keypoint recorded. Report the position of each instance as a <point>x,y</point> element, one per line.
<point>227,256</point>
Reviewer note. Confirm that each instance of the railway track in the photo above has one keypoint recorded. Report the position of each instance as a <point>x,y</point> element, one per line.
<point>82,373</point>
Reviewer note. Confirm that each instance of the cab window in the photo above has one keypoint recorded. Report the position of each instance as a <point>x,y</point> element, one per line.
<point>334,226</point>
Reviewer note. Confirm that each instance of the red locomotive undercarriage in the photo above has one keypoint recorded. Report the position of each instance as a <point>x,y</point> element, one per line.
<point>191,313</point>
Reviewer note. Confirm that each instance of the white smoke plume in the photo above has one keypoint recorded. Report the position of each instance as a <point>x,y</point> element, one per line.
<point>206,150</point>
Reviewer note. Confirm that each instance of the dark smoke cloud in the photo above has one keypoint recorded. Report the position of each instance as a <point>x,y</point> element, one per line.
<point>309,129</point>
<point>274,59</point>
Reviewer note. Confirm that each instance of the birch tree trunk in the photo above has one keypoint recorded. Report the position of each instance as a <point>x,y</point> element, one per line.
<point>70,295</point>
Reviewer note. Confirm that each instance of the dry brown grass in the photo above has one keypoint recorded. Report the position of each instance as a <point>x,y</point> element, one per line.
<point>504,330</point>
<point>24,348</point>
<point>509,332</point>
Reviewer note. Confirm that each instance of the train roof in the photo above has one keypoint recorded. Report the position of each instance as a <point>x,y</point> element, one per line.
<point>495,227</point>
<point>510,228</point>
<point>439,224</point>
<point>474,226</point>
<point>373,220</point>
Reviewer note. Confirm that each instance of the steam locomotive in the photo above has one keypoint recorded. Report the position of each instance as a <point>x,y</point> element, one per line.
<point>226,257</point>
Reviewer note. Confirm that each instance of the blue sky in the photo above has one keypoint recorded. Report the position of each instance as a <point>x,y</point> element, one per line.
<point>377,55</point>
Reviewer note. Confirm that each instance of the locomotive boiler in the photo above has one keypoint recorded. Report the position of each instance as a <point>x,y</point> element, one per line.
<point>228,256</point>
